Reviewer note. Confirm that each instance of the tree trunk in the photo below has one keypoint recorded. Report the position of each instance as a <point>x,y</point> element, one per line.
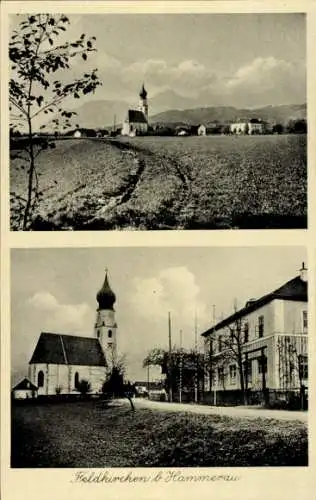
<point>30,177</point>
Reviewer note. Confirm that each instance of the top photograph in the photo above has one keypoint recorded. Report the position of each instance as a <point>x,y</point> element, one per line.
<point>157,121</point>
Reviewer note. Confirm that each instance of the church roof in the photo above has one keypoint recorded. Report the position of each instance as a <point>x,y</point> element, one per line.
<point>143,92</point>
<point>60,349</point>
<point>295,289</point>
<point>25,384</point>
<point>105,296</point>
<point>136,116</point>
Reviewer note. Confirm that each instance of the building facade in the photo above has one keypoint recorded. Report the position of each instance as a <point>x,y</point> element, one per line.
<point>61,362</point>
<point>265,343</point>
<point>247,127</point>
<point>136,121</point>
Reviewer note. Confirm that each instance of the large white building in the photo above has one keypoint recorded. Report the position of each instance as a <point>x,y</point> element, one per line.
<point>60,362</point>
<point>271,333</point>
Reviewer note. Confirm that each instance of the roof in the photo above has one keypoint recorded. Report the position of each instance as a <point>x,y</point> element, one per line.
<point>136,116</point>
<point>105,296</point>
<point>25,384</point>
<point>295,289</point>
<point>60,349</point>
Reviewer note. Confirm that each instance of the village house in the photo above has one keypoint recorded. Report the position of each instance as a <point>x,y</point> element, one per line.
<point>201,130</point>
<point>272,333</point>
<point>136,121</point>
<point>60,362</point>
<point>24,390</point>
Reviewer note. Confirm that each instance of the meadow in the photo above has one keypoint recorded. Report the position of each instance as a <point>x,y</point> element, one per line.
<point>82,434</point>
<point>213,182</point>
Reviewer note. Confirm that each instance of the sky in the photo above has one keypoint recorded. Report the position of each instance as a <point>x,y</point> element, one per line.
<point>242,60</point>
<point>55,290</point>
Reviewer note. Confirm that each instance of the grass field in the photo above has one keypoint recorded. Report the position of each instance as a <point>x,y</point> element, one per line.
<point>84,435</point>
<point>169,183</point>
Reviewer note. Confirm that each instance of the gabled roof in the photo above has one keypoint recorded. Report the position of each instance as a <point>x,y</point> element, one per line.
<point>136,116</point>
<point>25,384</point>
<point>295,289</point>
<point>59,349</point>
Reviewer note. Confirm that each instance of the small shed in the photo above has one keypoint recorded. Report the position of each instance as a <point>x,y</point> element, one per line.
<point>24,390</point>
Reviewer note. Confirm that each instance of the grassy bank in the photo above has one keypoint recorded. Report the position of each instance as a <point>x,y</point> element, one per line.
<point>84,435</point>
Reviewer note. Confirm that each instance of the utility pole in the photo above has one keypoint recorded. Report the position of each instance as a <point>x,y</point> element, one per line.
<point>180,371</point>
<point>211,355</point>
<point>169,359</point>
<point>148,383</point>
<point>196,359</point>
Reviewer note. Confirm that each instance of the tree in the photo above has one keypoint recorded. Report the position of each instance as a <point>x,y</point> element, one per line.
<point>83,386</point>
<point>116,387</point>
<point>36,60</point>
<point>278,128</point>
<point>182,367</point>
<point>231,351</point>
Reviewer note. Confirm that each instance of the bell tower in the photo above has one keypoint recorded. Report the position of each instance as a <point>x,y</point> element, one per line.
<point>105,327</point>
<point>143,103</point>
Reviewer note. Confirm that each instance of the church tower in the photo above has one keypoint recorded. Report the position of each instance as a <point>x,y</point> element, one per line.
<point>105,327</point>
<point>143,103</point>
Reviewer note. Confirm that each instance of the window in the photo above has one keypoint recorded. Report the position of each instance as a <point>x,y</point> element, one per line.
<point>220,375</point>
<point>261,326</point>
<point>110,334</point>
<point>246,332</point>
<point>262,364</point>
<point>305,321</point>
<point>98,334</point>
<point>76,380</point>
<point>40,379</point>
<point>303,367</point>
<point>232,374</point>
<point>220,343</point>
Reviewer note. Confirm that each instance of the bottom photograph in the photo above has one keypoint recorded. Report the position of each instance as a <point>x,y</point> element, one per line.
<point>159,357</point>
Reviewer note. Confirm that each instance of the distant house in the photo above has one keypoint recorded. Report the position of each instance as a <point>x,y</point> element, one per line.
<point>201,130</point>
<point>24,390</point>
<point>136,121</point>
<point>247,127</point>
<point>77,134</point>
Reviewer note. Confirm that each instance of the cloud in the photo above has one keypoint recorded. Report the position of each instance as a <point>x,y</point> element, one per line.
<point>174,289</point>
<point>62,317</point>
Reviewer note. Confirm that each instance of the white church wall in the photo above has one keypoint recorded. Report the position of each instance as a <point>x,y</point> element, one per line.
<point>62,377</point>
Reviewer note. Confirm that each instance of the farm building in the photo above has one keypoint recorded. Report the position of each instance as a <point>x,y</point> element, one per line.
<point>136,121</point>
<point>24,390</point>
<point>272,334</point>
<point>250,127</point>
<point>201,130</point>
<point>60,362</point>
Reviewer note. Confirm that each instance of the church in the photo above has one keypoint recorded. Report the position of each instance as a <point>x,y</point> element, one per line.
<point>136,121</point>
<point>60,362</point>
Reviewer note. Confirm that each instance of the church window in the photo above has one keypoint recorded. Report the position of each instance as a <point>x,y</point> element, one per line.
<point>103,324</point>
<point>40,379</point>
<point>76,380</point>
<point>110,334</point>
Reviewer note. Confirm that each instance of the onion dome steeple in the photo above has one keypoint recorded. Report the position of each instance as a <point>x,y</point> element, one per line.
<point>143,92</point>
<point>105,296</point>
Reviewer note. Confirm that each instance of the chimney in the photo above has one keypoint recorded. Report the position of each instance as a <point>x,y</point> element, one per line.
<point>303,272</point>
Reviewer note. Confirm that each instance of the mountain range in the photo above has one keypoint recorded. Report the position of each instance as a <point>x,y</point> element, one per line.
<point>170,107</point>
